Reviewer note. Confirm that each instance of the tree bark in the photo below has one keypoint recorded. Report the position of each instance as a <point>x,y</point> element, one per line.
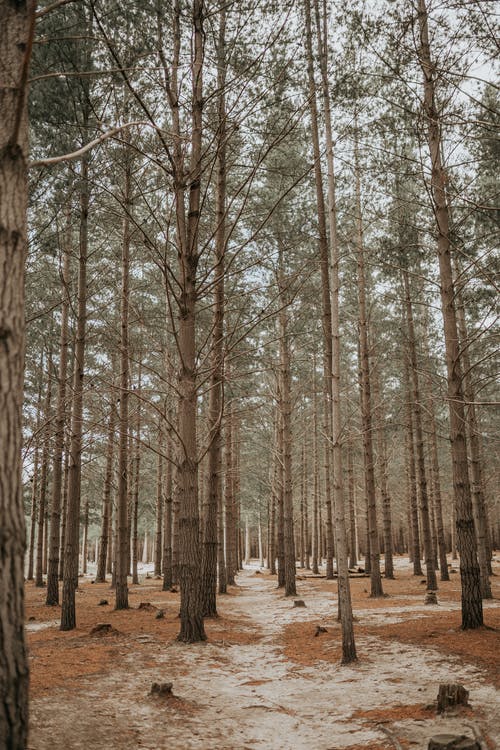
<point>472,608</point>
<point>57,466</point>
<point>44,471</point>
<point>365,379</point>
<point>70,579</point>
<point>104,548</point>
<point>17,24</point>
<point>416,405</point>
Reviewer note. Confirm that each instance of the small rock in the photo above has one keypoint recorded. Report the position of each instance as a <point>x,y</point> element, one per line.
<point>161,688</point>
<point>31,618</point>
<point>424,581</point>
<point>160,614</point>
<point>103,603</point>
<point>299,603</point>
<point>319,630</point>
<point>453,570</point>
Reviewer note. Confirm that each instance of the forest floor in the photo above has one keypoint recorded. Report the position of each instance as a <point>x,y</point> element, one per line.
<point>263,679</point>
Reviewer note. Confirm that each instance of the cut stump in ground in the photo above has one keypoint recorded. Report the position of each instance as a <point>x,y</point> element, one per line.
<point>450,695</point>
<point>452,742</point>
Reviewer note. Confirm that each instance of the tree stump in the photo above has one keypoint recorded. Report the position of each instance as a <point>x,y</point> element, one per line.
<point>452,742</point>
<point>299,603</point>
<point>104,628</point>
<point>451,694</point>
<point>431,598</point>
<point>161,688</point>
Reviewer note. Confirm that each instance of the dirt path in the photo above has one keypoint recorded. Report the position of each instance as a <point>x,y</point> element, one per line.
<point>250,695</point>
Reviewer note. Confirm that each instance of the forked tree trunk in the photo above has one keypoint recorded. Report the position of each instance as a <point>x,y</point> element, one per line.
<point>57,466</point>
<point>472,607</point>
<point>17,23</point>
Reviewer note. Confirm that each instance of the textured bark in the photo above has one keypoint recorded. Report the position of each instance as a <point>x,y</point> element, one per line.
<point>16,37</point>
<point>411,473</point>
<point>476,470</point>
<point>159,502</point>
<point>416,405</point>
<point>104,547</point>
<point>315,514</point>
<point>286,424</point>
<point>326,314</point>
<point>280,508</point>
<point>57,463</point>
<point>44,470</point>
<point>366,405</point>
<point>71,552</point>
<point>122,530</point>
<point>35,482</point>
<point>64,510</point>
<point>353,541</point>
<point>341,551</point>
<point>168,512</point>
<point>382,463</point>
<point>189,569</point>
<point>212,548</point>
<point>472,608</point>
<point>229,497</point>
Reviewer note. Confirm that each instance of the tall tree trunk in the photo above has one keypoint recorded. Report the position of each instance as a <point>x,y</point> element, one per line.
<point>35,480</point>
<point>344,593</point>
<point>71,552</point>
<point>366,405</point>
<point>315,518</point>
<point>419,438</point>
<point>191,605</point>
<point>168,513</point>
<point>476,472</point>
<point>212,536</point>
<point>104,549</point>
<point>57,466</point>
<point>411,473</point>
<point>286,425</point>
<point>382,462</point>
<point>325,290</point>
<point>136,480</point>
<point>122,531</point>
<point>472,607</point>
<point>229,497</point>
<point>42,500</point>
<point>17,23</point>
<point>159,501</point>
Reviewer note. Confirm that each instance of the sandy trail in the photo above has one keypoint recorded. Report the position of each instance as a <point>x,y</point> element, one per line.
<point>246,696</point>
